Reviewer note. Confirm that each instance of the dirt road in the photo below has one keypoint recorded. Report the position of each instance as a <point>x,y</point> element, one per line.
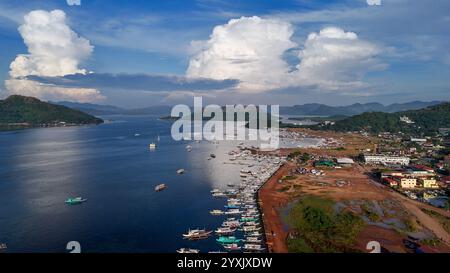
<point>271,200</point>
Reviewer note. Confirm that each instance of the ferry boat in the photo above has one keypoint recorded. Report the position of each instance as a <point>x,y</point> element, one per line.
<point>197,234</point>
<point>75,201</point>
<point>160,187</point>
<point>188,250</point>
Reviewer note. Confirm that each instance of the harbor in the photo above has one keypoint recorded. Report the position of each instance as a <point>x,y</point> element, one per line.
<point>242,228</point>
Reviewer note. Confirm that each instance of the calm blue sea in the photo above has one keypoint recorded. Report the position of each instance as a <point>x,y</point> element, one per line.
<point>117,173</point>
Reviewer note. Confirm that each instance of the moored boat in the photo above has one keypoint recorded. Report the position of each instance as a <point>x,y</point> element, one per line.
<point>228,240</point>
<point>197,234</point>
<point>216,212</point>
<point>232,247</point>
<point>75,201</point>
<point>188,250</point>
<point>225,230</point>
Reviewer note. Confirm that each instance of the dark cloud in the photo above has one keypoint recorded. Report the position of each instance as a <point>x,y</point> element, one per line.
<point>140,82</point>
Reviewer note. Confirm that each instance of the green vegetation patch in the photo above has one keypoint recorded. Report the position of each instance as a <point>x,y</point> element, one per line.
<point>445,221</point>
<point>21,112</point>
<point>321,228</point>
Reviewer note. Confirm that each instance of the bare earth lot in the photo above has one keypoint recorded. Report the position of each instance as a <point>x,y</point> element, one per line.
<point>389,216</point>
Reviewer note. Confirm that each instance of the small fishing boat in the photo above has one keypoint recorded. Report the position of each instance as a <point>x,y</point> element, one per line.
<point>197,234</point>
<point>231,206</point>
<point>231,223</point>
<point>253,247</point>
<point>219,194</point>
<point>250,228</point>
<point>188,250</point>
<point>255,240</point>
<point>152,146</point>
<point>232,247</point>
<point>248,220</point>
<point>216,212</point>
<point>225,230</point>
<point>160,187</point>
<point>180,171</point>
<point>75,201</point>
<point>228,240</point>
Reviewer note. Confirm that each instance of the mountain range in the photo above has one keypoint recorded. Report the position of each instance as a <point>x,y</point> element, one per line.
<point>310,109</point>
<point>316,109</point>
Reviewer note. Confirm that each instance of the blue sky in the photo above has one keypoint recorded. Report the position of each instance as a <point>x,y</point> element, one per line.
<point>395,52</point>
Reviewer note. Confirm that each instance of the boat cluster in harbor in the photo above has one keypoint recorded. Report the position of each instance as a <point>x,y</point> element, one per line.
<point>242,227</point>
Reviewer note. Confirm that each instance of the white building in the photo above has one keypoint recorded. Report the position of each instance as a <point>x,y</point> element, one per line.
<point>345,161</point>
<point>386,159</point>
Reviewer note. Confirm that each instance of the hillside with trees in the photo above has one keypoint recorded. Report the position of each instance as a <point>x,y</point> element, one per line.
<point>26,112</point>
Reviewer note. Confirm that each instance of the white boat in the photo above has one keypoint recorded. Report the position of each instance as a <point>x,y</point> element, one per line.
<point>254,234</point>
<point>180,171</point>
<point>216,212</point>
<point>253,247</point>
<point>250,228</point>
<point>232,247</point>
<point>225,230</point>
<point>231,223</point>
<point>197,234</point>
<point>160,187</point>
<point>188,250</point>
<point>253,240</point>
<point>219,194</point>
<point>152,146</point>
<point>233,212</point>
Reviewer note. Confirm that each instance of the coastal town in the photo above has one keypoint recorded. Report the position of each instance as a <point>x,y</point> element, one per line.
<point>396,196</point>
<point>394,189</point>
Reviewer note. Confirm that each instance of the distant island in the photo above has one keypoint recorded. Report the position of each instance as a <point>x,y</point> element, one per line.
<point>20,112</point>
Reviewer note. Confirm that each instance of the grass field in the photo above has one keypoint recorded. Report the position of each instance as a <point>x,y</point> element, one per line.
<point>320,229</point>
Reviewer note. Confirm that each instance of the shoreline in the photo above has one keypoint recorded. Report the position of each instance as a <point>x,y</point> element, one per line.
<point>274,234</point>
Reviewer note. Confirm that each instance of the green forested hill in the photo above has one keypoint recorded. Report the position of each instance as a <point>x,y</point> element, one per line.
<point>427,120</point>
<point>20,111</point>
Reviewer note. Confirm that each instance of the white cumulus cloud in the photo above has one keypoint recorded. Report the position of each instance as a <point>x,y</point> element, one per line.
<point>54,49</point>
<point>251,50</point>
<point>334,59</point>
